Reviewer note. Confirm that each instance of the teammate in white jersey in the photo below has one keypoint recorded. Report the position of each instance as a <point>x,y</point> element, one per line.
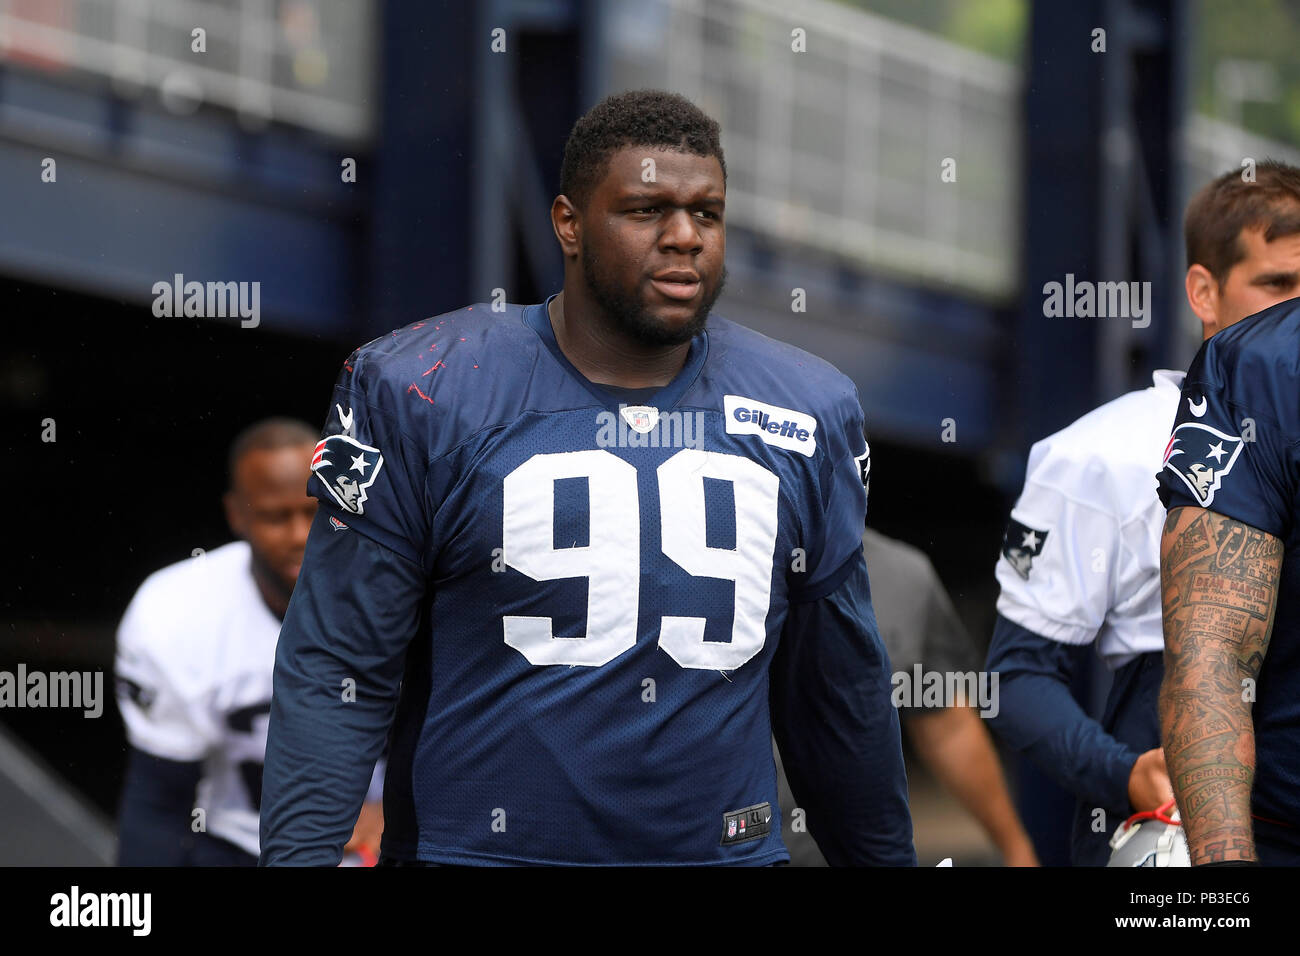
<point>195,654</point>
<point>1081,559</point>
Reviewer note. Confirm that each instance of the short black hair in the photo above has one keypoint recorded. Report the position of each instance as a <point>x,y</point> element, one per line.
<point>267,435</point>
<point>653,118</point>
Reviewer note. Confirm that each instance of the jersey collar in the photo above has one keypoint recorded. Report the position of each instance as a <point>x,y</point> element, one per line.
<point>1168,378</point>
<point>537,317</point>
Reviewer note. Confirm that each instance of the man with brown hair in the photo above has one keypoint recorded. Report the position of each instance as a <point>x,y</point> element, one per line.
<point>1229,570</point>
<point>1242,235</point>
<point>1083,546</point>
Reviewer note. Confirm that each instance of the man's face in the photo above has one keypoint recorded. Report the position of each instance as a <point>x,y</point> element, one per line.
<point>1269,274</point>
<point>633,231</point>
<point>270,509</point>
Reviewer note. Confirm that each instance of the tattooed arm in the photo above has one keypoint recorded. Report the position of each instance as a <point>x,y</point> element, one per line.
<point>1219,580</point>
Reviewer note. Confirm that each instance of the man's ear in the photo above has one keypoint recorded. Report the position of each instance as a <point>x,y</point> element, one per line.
<point>1203,296</point>
<point>566,223</point>
<point>234,514</point>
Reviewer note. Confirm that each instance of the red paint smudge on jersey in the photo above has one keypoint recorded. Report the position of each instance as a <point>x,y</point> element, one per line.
<point>417,391</point>
<point>436,365</point>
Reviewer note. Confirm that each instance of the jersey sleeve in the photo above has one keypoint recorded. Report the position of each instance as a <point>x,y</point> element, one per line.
<point>837,729</point>
<point>1228,452</point>
<point>1056,573</point>
<point>165,714</point>
<point>1038,716</point>
<point>157,800</point>
<point>355,609</point>
<point>369,472</point>
<point>839,515</point>
<point>338,667</point>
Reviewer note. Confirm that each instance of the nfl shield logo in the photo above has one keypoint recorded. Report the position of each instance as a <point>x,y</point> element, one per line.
<point>640,418</point>
<point>731,827</point>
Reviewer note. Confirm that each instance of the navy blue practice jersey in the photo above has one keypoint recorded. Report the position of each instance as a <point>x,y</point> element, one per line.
<point>1235,450</point>
<point>587,595</point>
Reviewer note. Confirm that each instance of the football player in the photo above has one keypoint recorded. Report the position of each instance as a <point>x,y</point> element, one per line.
<point>583,556</point>
<point>195,651</point>
<point>1082,550</point>
<point>1230,572</point>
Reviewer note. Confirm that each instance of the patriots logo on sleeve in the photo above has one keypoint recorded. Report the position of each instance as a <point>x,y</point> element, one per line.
<point>346,468</point>
<point>1202,457</point>
<point>863,462</point>
<point>1021,545</point>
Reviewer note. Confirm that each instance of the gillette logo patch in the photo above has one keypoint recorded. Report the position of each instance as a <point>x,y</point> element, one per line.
<point>782,427</point>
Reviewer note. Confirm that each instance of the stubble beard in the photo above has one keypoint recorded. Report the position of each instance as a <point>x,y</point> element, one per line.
<point>626,312</point>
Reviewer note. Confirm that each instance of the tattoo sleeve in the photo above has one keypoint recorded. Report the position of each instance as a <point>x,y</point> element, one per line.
<point>1219,582</point>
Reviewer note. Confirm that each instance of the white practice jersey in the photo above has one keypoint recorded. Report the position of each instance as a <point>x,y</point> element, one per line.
<point>1081,560</point>
<point>195,655</point>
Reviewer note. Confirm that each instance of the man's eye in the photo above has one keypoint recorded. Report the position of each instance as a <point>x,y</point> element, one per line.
<point>647,209</point>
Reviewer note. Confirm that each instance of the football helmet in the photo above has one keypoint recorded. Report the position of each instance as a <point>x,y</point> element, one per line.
<point>1151,838</point>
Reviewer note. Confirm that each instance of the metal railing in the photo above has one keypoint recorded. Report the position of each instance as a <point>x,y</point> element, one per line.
<point>304,62</point>
<point>840,148</point>
<point>1212,147</point>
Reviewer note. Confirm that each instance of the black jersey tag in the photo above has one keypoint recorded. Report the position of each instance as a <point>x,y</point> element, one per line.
<point>751,823</point>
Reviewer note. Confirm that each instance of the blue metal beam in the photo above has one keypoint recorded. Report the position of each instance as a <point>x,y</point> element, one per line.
<point>141,195</point>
